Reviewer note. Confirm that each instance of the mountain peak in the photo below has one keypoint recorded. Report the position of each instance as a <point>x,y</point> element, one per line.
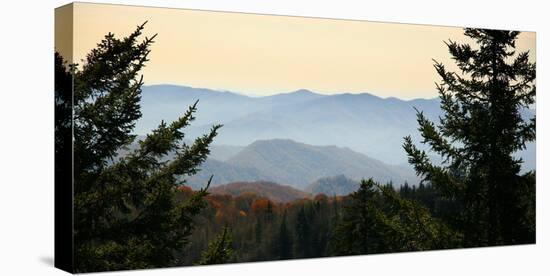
<point>298,164</point>
<point>360,95</point>
<point>274,142</point>
<point>302,91</point>
<point>333,185</point>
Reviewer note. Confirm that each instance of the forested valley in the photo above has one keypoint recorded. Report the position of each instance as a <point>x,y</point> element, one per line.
<point>261,229</point>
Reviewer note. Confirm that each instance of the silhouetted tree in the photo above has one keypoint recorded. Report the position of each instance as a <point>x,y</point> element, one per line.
<point>481,128</point>
<point>63,108</point>
<point>63,164</point>
<point>125,213</point>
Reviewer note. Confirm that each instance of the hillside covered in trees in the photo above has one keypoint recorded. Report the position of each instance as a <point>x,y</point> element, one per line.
<point>270,190</point>
<point>263,229</point>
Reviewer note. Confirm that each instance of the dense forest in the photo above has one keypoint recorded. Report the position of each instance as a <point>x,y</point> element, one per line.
<point>136,211</point>
<point>263,229</point>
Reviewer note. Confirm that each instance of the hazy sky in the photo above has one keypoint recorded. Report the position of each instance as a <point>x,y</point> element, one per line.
<point>263,55</point>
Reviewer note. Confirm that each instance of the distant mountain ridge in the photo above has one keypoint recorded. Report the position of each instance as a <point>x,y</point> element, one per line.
<point>357,121</point>
<point>334,185</point>
<point>168,102</point>
<point>363,122</point>
<point>296,164</point>
<point>273,191</point>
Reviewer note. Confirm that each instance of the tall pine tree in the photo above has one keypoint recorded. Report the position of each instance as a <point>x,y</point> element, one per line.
<point>219,251</point>
<point>284,240</point>
<point>303,234</point>
<point>125,212</point>
<point>379,220</point>
<point>482,127</point>
<point>357,231</point>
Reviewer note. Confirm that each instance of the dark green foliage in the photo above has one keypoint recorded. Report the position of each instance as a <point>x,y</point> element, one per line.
<point>269,211</point>
<point>481,129</point>
<point>285,241</point>
<point>303,235</point>
<point>323,226</point>
<point>409,226</point>
<point>258,231</point>
<point>357,233</point>
<point>125,211</point>
<point>427,196</point>
<point>63,107</point>
<point>219,251</point>
<point>378,220</point>
<point>63,166</point>
<point>375,219</point>
<point>527,205</point>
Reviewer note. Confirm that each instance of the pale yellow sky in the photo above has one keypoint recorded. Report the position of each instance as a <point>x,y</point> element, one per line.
<point>264,54</point>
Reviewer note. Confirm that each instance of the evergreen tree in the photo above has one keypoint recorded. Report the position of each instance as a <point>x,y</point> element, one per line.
<point>258,231</point>
<point>63,164</point>
<point>125,212</point>
<point>303,234</point>
<point>284,240</point>
<point>356,233</point>
<point>320,226</point>
<point>481,128</point>
<point>407,225</point>
<point>379,220</point>
<point>269,211</point>
<point>63,110</point>
<point>219,251</point>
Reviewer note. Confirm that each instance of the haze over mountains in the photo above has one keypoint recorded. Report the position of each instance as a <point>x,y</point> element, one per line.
<point>299,137</point>
<point>296,164</point>
<point>334,185</point>
<point>362,122</point>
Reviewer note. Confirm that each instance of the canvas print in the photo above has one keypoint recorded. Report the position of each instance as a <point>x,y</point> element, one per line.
<point>188,137</point>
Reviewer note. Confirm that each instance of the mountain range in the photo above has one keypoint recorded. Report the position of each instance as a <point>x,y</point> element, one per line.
<point>363,122</point>
<point>297,164</point>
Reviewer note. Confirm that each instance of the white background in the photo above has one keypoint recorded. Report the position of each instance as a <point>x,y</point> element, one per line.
<point>26,137</point>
